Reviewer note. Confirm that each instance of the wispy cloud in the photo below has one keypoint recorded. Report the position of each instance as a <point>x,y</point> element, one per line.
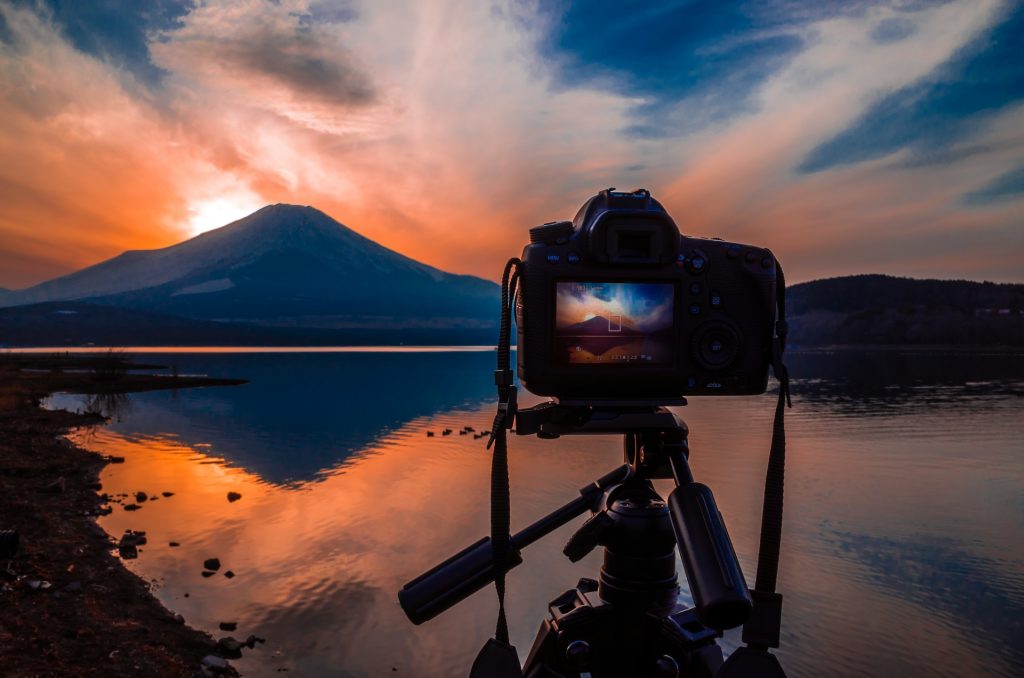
<point>446,129</point>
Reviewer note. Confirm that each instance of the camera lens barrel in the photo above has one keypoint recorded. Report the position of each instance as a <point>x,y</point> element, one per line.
<point>719,591</point>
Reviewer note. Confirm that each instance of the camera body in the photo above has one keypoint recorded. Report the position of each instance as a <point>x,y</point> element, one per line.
<point>617,304</point>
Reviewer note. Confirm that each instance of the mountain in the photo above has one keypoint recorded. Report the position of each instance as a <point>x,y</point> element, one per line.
<point>286,266</point>
<point>882,309</point>
<point>597,326</point>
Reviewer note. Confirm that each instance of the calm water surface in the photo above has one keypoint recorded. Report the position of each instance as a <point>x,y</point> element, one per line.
<point>903,550</point>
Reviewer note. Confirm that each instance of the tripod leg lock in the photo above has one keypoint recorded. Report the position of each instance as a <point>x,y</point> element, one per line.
<point>762,627</point>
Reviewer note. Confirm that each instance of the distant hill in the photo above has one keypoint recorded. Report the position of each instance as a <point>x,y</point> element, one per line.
<point>285,266</point>
<point>882,309</point>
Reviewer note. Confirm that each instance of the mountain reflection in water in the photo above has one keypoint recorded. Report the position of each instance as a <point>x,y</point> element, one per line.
<point>903,549</point>
<point>303,413</point>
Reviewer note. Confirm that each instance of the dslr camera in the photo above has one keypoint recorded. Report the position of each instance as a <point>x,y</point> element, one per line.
<point>618,304</point>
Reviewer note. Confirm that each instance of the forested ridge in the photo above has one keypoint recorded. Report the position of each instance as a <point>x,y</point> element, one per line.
<point>883,309</point>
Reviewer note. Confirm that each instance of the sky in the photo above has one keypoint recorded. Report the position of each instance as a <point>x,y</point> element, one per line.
<point>647,307</point>
<point>848,137</point>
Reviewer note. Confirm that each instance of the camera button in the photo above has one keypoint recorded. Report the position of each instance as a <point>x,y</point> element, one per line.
<point>750,257</point>
<point>554,258</point>
<point>767,262</point>
<point>695,289</point>
<point>696,264</point>
<point>573,258</point>
<point>695,309</point>
<point>716,300</point>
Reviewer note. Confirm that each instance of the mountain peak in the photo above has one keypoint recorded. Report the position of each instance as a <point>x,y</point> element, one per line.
<point>287,209</point>
<point>282,226</point>
<point>285,216</point>
<point>280,246</point>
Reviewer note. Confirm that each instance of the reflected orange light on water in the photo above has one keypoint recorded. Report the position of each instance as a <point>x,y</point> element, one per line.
<point>885,527</point>
<point>333,552</point>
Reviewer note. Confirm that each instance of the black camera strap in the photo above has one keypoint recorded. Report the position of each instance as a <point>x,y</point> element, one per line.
<point>498,658</point>
<point>762,628</point>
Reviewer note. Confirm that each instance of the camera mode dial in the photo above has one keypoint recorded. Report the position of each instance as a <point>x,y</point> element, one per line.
<point>551,233</point>
<point>715,345</point>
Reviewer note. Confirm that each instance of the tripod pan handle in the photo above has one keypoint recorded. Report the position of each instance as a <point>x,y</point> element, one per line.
<point>451,582</point>
<point>712,570</point>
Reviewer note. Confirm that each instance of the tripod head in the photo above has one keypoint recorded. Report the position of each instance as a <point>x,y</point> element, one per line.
<point>634,625</point>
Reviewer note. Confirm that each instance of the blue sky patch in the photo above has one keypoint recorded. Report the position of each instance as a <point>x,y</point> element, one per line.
<point>667,52</point>
<point>116,30</point>
<point>940,111</point>
<point>1009,185</point>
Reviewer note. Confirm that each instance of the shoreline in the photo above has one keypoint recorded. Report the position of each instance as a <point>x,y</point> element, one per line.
<point>70,607</point>
<point>792,347</point>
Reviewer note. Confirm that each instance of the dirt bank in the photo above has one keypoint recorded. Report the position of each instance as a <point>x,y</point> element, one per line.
<point>67,605</point>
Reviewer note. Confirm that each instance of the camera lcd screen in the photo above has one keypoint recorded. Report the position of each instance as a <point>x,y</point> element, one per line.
<point>614,323</point>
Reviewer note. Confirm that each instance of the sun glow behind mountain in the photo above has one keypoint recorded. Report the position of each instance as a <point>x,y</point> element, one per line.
<point>207,215</point>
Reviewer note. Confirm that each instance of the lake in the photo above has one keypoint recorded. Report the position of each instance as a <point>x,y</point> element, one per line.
<point>903,549</point>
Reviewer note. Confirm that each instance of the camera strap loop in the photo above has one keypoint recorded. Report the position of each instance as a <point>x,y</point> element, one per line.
<point>498,657</point>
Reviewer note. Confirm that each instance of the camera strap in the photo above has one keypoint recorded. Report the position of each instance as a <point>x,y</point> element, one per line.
<point>762,628</point>
<point>498,658</point>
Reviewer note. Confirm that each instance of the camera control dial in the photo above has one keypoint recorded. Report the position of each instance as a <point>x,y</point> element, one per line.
<point>715,345</point>
<point>551,233</point>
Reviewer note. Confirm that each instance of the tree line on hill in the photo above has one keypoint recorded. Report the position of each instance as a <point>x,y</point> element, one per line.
<point>882,309</point>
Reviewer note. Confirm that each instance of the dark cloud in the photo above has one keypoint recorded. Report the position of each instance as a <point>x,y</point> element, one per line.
<point>942,110</point>
<point>300,60</point>
<point>934,157</point>
<point>115,30</point>
<point>5,31</point>
<point>1007,186</point>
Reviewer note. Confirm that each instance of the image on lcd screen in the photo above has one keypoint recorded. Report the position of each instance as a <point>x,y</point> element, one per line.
<point>614,323</point>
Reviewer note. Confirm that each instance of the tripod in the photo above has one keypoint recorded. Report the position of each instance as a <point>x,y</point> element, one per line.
<point>628,621</point>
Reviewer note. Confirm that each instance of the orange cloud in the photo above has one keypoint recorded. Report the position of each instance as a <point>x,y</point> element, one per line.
<point>446,139</point>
